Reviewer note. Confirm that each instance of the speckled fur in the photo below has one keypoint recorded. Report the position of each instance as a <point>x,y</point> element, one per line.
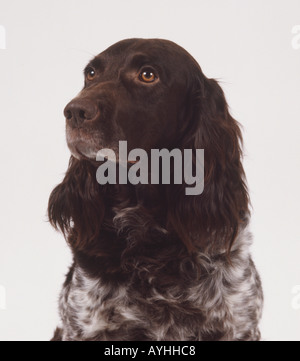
<point>222,302</point>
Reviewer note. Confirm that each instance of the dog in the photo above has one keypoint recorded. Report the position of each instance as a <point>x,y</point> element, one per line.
<point>151,263</point>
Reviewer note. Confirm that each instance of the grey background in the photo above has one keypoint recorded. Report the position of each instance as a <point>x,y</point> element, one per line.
<point>248,45</point>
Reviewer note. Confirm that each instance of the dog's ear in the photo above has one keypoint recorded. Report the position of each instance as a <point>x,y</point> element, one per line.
<point>211,219</point>
<point>76,206</point>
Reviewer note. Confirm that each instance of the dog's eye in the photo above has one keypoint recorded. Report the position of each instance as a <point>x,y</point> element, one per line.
<point>147,76</point>
<point>90,74</point>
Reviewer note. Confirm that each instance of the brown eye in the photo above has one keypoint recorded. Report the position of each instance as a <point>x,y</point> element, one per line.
<point>147,76</point>
<point>90,74</point>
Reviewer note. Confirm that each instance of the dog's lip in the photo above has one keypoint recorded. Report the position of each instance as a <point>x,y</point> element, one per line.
<point>82,154</point>
<point>79,154</point>
<point>85,149</point>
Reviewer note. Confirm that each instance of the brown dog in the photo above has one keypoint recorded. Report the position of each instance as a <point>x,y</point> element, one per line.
<point>150,262</point>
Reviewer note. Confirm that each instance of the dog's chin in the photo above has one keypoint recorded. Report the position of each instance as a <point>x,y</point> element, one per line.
<point>81,144</point>
<point>81,150</point>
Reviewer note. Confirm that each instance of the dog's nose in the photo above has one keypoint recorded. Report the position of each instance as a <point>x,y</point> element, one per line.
<point>79,111</point>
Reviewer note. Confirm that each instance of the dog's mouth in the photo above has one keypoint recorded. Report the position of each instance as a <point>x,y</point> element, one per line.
<point>91,155</point>
<point>81,151</point>
<point>81,144</point>
<point>84,146</point>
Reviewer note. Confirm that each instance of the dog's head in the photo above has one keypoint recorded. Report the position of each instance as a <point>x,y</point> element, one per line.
<point>153,94</point>
<point>137,90</point>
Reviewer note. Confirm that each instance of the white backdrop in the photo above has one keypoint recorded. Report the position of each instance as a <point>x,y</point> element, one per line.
<point>251,46</point>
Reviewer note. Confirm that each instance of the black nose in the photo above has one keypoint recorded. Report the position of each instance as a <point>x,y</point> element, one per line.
<point>79,111</point>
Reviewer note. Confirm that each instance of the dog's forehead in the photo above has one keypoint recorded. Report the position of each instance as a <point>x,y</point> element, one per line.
<point>154,49</point>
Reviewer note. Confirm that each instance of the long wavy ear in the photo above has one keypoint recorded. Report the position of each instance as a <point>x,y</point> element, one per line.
<point>211,219</point>
<point>75,206</point>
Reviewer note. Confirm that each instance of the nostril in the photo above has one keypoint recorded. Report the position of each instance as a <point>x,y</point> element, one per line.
<point>68,114</point>
<point>82,114</point>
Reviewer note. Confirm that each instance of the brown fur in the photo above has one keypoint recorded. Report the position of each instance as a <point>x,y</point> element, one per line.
<point>162,265</point>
